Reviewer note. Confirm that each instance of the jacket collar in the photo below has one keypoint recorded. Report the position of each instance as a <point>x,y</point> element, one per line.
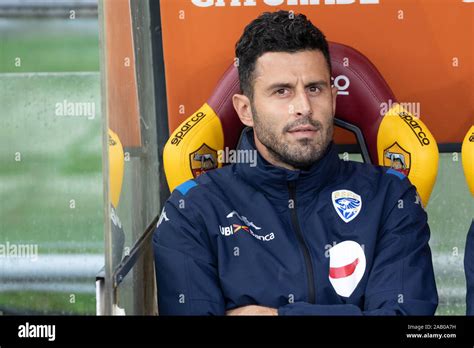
<point>273,180</point>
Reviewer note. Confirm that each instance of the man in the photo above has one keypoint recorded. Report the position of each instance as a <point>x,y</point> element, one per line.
<point>469,270</point>
<point>302,232</point>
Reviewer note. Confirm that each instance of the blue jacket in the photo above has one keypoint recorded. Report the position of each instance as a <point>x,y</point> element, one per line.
<point>341,238</point>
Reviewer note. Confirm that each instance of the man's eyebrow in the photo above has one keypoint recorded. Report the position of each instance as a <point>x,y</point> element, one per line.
<point>277,85</point>
<point>321,83</point>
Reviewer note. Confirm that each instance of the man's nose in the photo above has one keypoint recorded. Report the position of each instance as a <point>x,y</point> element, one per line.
<point>301,105</point>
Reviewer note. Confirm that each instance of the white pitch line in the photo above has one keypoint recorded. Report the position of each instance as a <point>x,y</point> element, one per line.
<point>48,286</point>
<point>51,74</point>
<point>51,266</point>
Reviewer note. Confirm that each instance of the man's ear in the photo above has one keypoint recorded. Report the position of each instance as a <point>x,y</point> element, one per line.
<point>334,96</point>
<point>243,109</point>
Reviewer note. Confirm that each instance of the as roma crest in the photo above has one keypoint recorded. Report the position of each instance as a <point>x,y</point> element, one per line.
<point>202,160</point>
<point>397,158</point>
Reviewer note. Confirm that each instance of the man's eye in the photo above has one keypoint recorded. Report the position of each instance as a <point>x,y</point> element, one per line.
<point>314,89</point>
<point>281,91</point>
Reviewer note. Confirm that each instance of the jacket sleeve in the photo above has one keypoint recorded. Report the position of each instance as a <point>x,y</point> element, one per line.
<point>469,270</point>
<point>186,271</point>
<point>401,280</point>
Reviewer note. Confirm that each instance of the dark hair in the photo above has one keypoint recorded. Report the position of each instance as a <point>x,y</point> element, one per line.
<point>280,31</point>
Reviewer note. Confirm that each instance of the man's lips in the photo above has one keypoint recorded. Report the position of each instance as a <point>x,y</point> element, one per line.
<point>303,129</point>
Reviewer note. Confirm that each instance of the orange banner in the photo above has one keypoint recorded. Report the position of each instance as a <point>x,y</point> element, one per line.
<point>423,48</point>
<point>121,84</point>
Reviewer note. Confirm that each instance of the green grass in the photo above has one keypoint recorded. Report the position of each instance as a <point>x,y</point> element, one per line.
<point>450,212</point>
<point>50,55</point>
<point>61,160</point>
<point>40,302</point>
<point>51,45</point>
<point>61,157</point>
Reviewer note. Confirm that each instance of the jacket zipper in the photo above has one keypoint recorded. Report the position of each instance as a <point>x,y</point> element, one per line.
<point>302,244</point>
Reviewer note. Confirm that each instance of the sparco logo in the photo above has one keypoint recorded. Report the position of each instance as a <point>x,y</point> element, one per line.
<point>185,128</point>
<point>415,127</point>
<point>221,3</point>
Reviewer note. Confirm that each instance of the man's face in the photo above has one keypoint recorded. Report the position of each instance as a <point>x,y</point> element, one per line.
<point>293,107</point>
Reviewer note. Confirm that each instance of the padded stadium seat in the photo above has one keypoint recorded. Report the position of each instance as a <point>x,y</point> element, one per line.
<point>467,153</point>
<point>392,137</point>
<point>116,167</point>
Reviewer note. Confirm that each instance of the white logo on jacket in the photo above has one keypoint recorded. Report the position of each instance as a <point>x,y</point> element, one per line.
<point>243,219</point>
<point>162,218</point>
<point>246,228</point>
<point>347,204</point>
<point>346,267</point>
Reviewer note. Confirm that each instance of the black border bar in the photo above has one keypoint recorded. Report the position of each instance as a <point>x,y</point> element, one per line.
<point>138,330</point>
